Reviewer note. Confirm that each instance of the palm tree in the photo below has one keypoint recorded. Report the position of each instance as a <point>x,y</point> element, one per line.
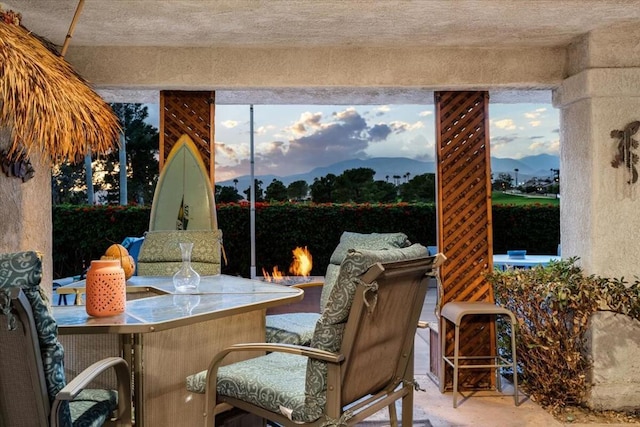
<point>235,183</point>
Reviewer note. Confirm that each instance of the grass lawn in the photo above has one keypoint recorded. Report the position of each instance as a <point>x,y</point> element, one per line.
<point>500,198</point>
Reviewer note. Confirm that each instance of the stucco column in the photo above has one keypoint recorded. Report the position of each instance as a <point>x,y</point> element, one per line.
<point>25,213</point>
<point>600,211</point>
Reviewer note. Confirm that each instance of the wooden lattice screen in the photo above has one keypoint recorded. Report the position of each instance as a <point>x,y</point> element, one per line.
<point>464,217</point>
<point>191,113</point>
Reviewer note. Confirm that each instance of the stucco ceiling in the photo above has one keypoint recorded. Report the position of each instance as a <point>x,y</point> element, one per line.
<point>314,23</point>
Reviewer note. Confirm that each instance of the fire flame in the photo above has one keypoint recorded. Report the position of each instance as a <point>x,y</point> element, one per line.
<point>301,266</point>
<point>302,262</point>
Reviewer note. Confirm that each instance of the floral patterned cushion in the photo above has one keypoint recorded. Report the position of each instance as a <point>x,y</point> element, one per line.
<point>24,270</point>
<point>291,328</point>
<point>272,381</point>
<point>330,326</point>
<point>301,329</point>
<point>92,408</point>
<point>296,385</point>
<point>350,240</point>
<point>160,253</point>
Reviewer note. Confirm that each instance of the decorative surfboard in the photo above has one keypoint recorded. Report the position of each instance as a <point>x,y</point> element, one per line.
<point>183,199</point>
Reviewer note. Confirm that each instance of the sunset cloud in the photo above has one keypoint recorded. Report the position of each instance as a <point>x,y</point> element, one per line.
<point>229,124</point>
<point>506,124</point>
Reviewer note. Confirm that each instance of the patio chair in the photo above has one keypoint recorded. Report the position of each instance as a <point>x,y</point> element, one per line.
<point>33,390</point>
<point>297,328</point>
<point>370,320</point>
<point>160,252</point>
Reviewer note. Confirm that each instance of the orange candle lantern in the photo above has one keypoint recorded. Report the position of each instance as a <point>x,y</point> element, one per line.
<point>106,288</point>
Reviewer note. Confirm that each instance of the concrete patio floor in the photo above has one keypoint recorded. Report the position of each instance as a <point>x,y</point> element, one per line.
<point>483,409</point>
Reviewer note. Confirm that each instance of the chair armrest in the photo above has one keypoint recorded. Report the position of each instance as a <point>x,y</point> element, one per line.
<point>313,353</point>
<point>80,382</point>
<point>212,372</point>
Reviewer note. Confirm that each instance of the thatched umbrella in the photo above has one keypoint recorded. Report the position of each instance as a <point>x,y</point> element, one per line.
<point>45,103</point>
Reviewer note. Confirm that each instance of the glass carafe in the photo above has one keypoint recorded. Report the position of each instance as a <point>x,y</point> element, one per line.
<point>186,280</point>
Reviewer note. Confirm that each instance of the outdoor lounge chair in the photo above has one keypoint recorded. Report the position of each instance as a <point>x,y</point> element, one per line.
<point>33,390</point>
<point>297,328</point>
<point>370,320</point>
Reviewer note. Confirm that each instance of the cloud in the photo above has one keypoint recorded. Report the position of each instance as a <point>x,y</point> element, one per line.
<point>307,121</point>
<point>425,113</point>
<point>399,127</point>
<point>262,130</point>
<point>546,147</point>
<point>383,109</point>
<point>379,132</point>
<point>229,124</point>
<point>506,124</point>
<point>535,123</point>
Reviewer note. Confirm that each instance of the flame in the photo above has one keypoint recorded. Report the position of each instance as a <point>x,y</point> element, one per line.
<point>302,262</point>
<point>273,277</point>
<point>301,266</point>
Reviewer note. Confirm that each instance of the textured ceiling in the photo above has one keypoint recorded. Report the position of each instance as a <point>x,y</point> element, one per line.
<point>321,23</point>
<point>381,23</point>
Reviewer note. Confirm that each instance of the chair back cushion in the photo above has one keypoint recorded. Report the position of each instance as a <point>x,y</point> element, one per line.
<point>160,253</point>
<point>24,270</point>
<point>330,327</point>
<point>351,240</point>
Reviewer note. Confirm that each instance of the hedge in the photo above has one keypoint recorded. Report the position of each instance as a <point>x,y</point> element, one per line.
<point>82,233</point>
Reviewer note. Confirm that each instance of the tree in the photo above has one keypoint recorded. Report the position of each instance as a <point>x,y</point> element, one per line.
<point>141,140</point>
<point>276,191</point>
<point>323,188</point>
<point>227,194</point>
<point>68,184</point>
<point>384,192</point>
<point>353,185</point>
<point>259,191</point>
<point>421,188</point>
<point>298,190</point>
<point>503,182</point>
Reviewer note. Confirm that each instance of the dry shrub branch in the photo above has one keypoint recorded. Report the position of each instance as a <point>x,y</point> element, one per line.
<point>553,305</point>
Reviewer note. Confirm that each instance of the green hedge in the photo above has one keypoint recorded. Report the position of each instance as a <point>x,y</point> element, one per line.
<point>82,233</point>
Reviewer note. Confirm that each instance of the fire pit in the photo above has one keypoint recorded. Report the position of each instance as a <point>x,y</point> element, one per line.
<point>300,268</point>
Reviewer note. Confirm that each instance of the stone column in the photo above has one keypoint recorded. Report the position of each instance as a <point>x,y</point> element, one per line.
<point>25,212</point>
<point>600,211</point>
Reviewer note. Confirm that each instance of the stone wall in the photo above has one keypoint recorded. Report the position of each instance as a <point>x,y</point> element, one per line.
<point>613,345</point>
<point>25,212</point>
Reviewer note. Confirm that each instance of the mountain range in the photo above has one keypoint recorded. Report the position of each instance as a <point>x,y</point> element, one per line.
<point>386,167</point>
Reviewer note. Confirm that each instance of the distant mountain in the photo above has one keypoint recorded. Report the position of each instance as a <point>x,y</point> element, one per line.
<point>528,167</point>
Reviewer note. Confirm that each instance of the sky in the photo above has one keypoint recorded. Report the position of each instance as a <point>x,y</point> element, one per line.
<point>291,139</point>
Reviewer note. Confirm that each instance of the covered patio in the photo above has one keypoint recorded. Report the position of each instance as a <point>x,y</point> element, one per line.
<point>582,55</point>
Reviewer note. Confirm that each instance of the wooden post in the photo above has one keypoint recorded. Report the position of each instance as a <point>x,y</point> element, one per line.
<point>464,217</point>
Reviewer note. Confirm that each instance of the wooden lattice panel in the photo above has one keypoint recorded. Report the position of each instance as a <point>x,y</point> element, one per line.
<point>464,216</point>
<point>190,113</point>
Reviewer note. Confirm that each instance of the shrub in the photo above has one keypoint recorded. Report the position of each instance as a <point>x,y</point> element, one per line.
<point>553,305</point>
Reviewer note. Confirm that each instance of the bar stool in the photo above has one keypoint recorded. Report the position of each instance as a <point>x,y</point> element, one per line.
<point>454,312</point>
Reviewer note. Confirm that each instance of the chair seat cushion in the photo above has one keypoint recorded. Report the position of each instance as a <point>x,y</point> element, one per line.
<point>291,328</point>
<point>272,382</point>
<point>92,408</point>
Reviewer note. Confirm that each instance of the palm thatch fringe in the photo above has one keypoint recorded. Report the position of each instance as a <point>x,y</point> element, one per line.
<point>46,104</point>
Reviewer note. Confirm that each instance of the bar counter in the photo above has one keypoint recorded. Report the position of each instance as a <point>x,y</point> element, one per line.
<point>166,336</point>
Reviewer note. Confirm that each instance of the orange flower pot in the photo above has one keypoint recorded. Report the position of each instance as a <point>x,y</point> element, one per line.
<point>106,288</point>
